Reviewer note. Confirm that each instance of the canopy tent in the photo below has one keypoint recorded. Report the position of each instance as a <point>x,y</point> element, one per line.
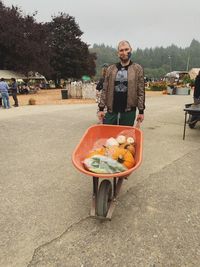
<point>8,74</point>
<point>85,78</point>
<point>35,76</point>
<point>193,73</point>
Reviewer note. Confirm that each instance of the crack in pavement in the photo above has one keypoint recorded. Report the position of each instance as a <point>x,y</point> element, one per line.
<point>56,238</point>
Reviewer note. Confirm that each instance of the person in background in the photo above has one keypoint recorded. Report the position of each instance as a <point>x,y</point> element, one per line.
<point>14,91</point>
<point>192,122</point>
<point>99,86</point>
<point>197,89</point>
<point>4,93</point>
<point>123,90</point>
<point>0,100</point>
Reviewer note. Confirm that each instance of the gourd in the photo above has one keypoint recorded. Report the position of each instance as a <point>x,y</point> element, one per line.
<point>121,139</point>
<point>99,151</point>
<point>130,140</point>
<point>111,142</point>
<point>124,156</point>
<point>131,148</point>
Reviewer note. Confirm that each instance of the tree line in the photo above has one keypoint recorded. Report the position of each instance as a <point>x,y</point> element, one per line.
<point>54,49</point>
<point>156,61</point>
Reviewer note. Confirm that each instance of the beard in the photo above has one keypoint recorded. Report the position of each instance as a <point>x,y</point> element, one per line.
<point>124,60</point>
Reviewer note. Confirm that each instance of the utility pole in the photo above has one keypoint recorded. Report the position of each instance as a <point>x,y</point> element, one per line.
<point>170,62</point>
<point>188,62</point>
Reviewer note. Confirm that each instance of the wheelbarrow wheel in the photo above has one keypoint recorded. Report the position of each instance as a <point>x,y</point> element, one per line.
<point>104,198</point>
<point>191,122</point>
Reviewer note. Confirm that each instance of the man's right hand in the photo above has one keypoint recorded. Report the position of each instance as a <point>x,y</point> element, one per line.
<point>100,115</point>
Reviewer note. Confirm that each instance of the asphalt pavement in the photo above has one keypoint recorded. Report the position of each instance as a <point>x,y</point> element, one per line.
<point>45,201</point>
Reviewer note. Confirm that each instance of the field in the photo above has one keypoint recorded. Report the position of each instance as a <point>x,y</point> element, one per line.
<point>53,97</point>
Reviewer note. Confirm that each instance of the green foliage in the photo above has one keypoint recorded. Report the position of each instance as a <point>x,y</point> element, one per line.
<point>156,61</point>
<point>104,54</point>
<point>158,86</point>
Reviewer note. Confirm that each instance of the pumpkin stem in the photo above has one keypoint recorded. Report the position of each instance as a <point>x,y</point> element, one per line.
<point>120,159</point>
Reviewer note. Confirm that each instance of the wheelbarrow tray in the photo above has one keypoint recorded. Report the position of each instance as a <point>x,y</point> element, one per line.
<point>100,132</point>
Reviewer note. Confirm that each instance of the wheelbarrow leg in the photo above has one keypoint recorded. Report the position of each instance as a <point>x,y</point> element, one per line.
<point>116,189</point>
<point>185,125</point>
<point>94,196</point>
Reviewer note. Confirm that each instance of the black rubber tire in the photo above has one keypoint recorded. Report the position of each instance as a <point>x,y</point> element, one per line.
<point>104,197</point>
<point>192,125</point>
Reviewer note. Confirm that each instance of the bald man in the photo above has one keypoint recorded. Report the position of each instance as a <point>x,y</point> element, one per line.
<point>123,90</point>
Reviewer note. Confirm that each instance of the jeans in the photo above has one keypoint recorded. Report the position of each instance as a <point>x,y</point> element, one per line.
<point>5,98</point>
<point>14,95</point>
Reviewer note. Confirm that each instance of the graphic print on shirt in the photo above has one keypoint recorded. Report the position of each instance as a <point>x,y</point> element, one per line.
<point>121,81</point>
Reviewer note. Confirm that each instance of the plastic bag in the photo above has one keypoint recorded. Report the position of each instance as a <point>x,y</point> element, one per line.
<point>103,164</point>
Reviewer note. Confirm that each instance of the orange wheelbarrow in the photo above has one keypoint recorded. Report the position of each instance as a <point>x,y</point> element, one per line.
<point>105,193</point>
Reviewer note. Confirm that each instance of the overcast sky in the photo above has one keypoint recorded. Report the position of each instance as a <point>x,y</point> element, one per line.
<point>145,23</point>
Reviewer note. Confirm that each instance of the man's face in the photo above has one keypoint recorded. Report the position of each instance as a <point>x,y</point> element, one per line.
<point>123,52</point>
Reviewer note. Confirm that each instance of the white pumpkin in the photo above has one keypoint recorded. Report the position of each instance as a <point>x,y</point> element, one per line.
<point>121,139</point>
<point>111,142</point>
<point>130,140</point>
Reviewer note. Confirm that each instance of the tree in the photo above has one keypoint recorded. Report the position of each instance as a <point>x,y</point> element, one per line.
<point>70,57</point>
<point>23,44</point>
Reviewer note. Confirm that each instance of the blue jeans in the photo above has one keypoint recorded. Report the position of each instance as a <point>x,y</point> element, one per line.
<point>5,98</point>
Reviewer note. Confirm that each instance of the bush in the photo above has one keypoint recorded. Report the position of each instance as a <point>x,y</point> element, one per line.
<point>158,86</point>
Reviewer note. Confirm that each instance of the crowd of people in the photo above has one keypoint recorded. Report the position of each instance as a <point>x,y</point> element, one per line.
<point>13,88</point>
<point>4,93</point>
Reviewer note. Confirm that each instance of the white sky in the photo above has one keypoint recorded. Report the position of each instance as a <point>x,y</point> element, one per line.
<point>145,23</point>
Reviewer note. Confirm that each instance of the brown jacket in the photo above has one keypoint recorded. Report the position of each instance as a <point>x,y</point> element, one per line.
<point>136,90</point>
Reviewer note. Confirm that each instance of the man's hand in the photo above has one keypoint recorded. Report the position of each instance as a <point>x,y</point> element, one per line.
<point>100,115</point>
<point>140,117</point>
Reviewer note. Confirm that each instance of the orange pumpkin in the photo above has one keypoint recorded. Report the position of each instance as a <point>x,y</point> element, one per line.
<point>124,156</point>
<point>110,150</point>
<point>130,148</point>
<point>99,151</point>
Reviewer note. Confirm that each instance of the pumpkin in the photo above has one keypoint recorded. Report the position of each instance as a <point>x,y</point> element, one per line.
<point>111,142</point>
<point>130,140</point>
<point>121,139</point>
<point>99,151</point>
<point>110,150</point>
<point>124,156</point>
<point>131,148</point>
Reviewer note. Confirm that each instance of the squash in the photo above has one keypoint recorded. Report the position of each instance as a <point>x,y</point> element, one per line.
<point>124,156</point>
<point>131,148</point>
<point>110,150</point>
<point>121,139</point>
<point>99,151</point>
<point>130,140</point>
<point>111,142</point>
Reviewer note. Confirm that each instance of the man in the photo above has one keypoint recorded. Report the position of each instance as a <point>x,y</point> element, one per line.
<point>99,86</point>
<point>14,91</point>
<point>123,90</point>
<point>4,93</point>
<point>193,119</point>
<point>197,89</point>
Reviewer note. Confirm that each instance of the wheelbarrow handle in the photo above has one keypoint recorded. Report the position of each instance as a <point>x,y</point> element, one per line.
<point>138,124</point>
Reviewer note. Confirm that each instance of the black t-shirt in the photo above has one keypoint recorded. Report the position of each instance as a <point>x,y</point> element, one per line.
<point>99,86</point>
<point>121,88</point>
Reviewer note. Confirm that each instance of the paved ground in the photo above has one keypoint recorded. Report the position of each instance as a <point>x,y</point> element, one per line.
<point>45,202</point>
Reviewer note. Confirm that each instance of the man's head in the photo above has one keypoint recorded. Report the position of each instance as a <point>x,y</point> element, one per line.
<point>124,51</point>
<point>104,69</point>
